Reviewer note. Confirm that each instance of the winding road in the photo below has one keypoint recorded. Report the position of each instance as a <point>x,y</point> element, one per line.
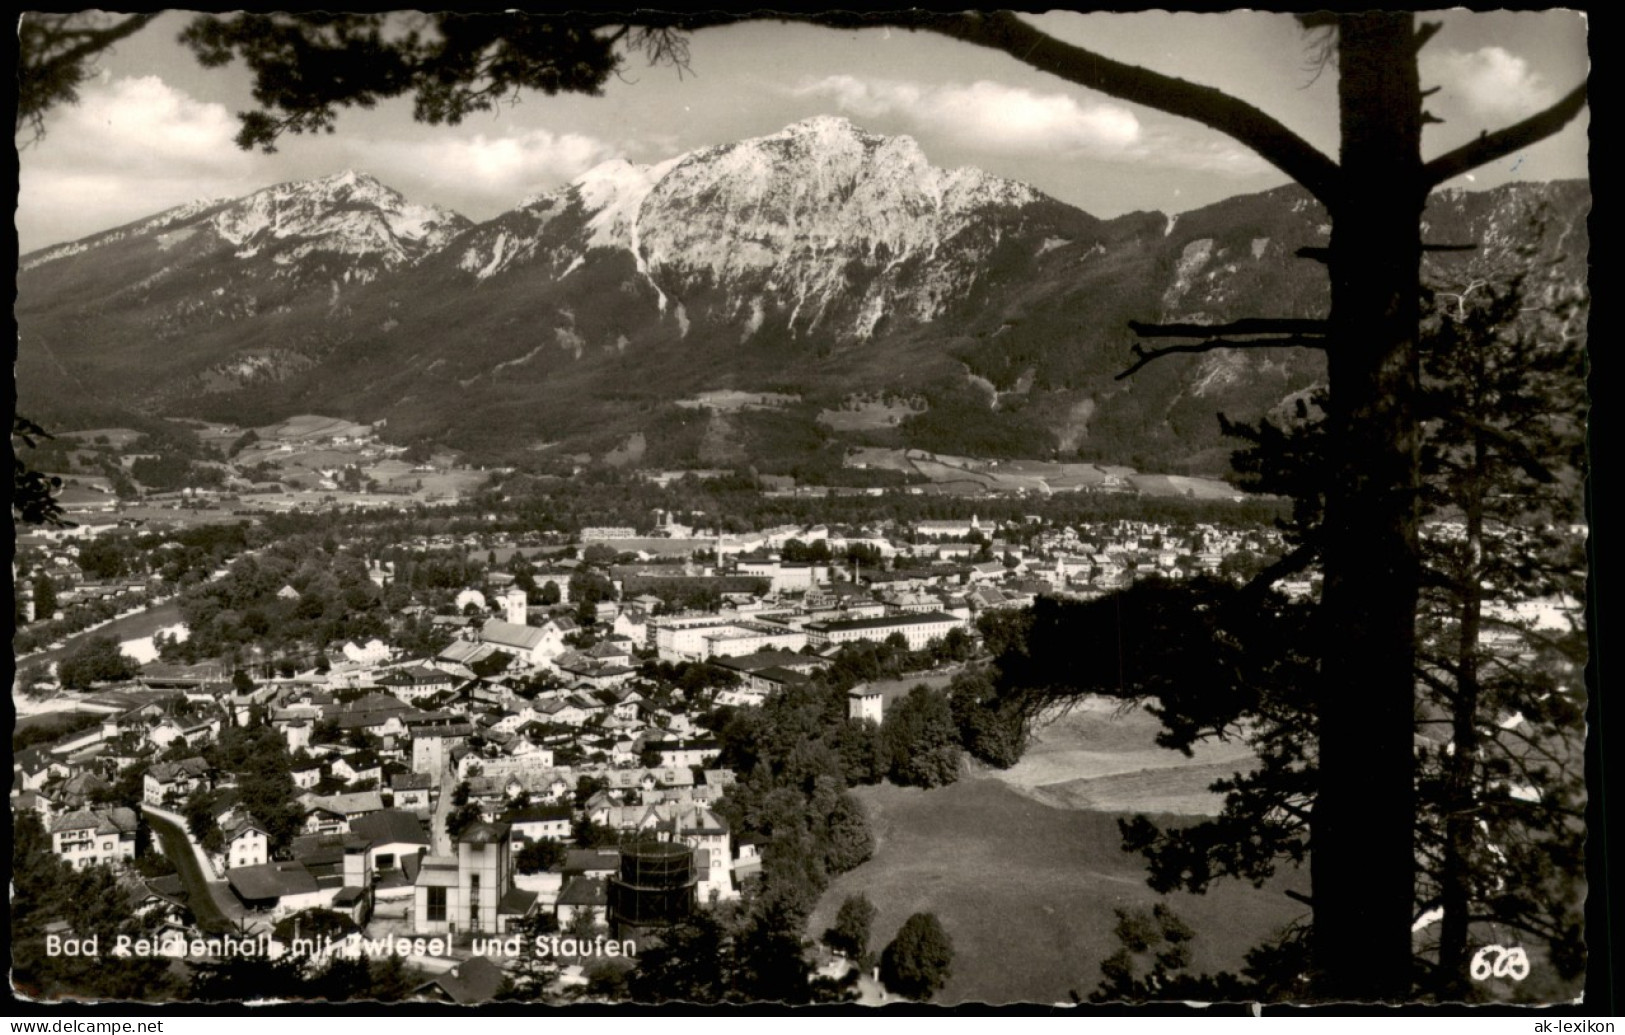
<point>196,865</point>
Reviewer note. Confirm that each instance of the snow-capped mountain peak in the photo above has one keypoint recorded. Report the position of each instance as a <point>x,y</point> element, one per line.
<point>796,212</point>
<point>349,213</point>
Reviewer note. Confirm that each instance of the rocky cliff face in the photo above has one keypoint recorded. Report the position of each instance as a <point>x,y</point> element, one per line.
<point>820,228</point>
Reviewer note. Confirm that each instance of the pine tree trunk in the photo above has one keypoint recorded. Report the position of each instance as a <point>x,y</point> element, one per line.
<point>1455,866</point>
<point>1362,862</point>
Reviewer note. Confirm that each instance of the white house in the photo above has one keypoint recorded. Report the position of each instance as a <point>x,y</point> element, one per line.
<point>530,645</point>
<point>540,823</point>
<point>173,780</point>
<point>88,837</point>
<point>247,843</point>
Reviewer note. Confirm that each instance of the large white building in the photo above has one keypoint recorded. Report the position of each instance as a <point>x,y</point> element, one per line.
<point>531,645</point>
<point>918,629</point>
<point>86,838</point>
<point>695,638</point>
<point>784,577</point>
<point>472,892</point>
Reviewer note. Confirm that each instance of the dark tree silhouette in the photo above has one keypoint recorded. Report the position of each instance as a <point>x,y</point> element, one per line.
<point>57,52</point>
<point>33,493</point>
<point>921,739</point>
<point>97,659</point>
<point>1363,866</point>
<point>1499,789</point>
<point>1502,699</point>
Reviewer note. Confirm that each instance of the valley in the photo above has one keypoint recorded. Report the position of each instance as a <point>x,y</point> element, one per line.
<point>780,301</point>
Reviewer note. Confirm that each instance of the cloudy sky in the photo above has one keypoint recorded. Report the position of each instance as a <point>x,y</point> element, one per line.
<point>154,129</point>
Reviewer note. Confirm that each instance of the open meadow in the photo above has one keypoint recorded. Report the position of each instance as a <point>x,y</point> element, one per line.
<point>1024,867</point>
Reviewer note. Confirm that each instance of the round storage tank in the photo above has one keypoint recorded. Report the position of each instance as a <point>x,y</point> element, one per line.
<point>655,885</point>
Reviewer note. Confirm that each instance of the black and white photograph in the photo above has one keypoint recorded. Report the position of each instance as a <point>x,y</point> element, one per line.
<point>658,511</point>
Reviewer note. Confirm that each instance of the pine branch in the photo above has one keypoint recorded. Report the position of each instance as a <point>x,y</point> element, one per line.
<point>1490,146</point>
<point>1145,356</point>
<point>1440,686</point>
<point>1325,254</point>
<point>1292,563</point>
<point>53,59</point>
<point>1252,325</point>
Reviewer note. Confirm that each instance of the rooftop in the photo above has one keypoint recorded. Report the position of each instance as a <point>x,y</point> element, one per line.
<point>484,834</point>
<point>271,880</point>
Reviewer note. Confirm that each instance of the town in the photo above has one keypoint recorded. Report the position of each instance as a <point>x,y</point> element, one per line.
<point>459,737</point>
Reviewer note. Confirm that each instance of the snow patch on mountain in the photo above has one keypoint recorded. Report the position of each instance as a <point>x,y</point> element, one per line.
<point>350,213</point>
<point>1195,255</point>
<point>814,207</point>
<point>614,193</point>
<point>162,221</point>
<point>520,361</point>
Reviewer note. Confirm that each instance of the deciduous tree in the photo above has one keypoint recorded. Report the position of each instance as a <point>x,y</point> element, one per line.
<point>921,739</point>
<point>850,934</point>
<point>919,961</point>
<point>97,659</point>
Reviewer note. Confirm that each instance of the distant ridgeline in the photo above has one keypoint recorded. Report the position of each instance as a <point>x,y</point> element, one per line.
<point>773,302</point>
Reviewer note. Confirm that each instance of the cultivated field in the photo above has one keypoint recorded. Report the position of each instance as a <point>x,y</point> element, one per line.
<point>1038,476</point>
<point>867,415</point>
<point>159,515</point>
<point>1179,485</point>
<point>311,426</point>
<point>727,400</point>
<point>1026,887</point>
<point>879,459</point>
<point>118,437</point>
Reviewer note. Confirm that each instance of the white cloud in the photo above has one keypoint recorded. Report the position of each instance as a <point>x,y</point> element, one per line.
<point>1201,151</point>
<point>142,126</point>
<point>1489,82</point>
<point>1008,120</point>
<point>500,170</point>
<point>986,115</point>
<point>133,147</point>
<point>130,148</point>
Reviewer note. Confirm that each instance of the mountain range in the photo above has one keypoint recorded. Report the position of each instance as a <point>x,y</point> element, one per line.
<point>830,283</point>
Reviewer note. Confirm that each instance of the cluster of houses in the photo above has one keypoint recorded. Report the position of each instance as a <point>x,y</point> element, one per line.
<point>547,731</point>
<point>379,744</point>
<point>55,553</point>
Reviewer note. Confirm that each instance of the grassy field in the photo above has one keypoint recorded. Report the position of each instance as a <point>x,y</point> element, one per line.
<point>1024,866</point>
<point>119,437</point>
<point>1100,756</point>
<point>880,459</point>
<point>310,426</point>
<point>871,415</point>
<point>1179,485</point>
<point>177,517</point>
<point>892,689</point>
<point>58,722</point>
<point>130,627</point>
<point>1026,891</point>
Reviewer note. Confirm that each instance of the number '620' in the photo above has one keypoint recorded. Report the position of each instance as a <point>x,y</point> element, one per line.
<point>1498,961</point>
